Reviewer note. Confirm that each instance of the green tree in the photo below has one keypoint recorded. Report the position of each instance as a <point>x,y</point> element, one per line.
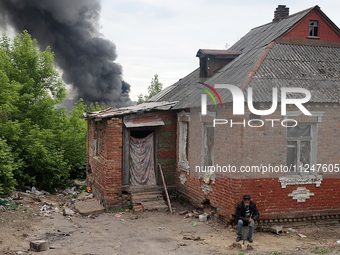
<point>30,89</point>
<point>42,145</point>
<point>74,138</point>
<point>154,88</point>
<point>7,167</point>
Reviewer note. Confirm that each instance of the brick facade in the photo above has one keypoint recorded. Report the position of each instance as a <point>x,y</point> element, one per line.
<point>280,196</point>
<point>104,171</point>
<point>165,143</point>
<point>105,167</point>
<point>326,32</point>
<point>246,146</point>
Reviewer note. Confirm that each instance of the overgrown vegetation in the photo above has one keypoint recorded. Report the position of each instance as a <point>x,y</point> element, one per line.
<point>40,144</point>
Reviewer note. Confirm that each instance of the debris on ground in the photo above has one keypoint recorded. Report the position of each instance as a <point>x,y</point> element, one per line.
<point>192,237</point>
<point>249,247</point>
<point>183,212</point>
<point>64,233</point>
<point>276,229</point>
<point>203,218</point>
<point>301,235</point>
<point>87,207</point>
<point>290,230</point>
<point>8,204</point>
<point>68,212</point>
<point>118,215</point>
<point>133,217</point>
<point>83,196</point>
<point>39,245</point>
<point>235,245</point>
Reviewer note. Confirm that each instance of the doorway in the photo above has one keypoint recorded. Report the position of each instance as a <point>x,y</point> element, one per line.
<point>142,157</point>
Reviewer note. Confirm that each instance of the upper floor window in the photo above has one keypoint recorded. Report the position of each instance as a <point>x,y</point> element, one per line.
<point>313,28</point>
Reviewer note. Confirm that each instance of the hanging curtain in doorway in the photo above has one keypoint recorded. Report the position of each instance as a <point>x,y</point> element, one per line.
<point>142,171</point>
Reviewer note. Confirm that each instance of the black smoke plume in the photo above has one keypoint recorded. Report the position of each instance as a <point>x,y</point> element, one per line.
<point>70,27</point>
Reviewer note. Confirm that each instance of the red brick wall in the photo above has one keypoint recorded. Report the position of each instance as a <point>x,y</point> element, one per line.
<point>273,201</point>
<point>167,146</point>
<point>165,143</point>
<point>300,31</point>
<point>247,146</point>
<point>104,172</point>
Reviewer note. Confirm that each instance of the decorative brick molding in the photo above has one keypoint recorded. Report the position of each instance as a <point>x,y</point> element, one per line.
<point>301,194</point>
<point>296,223</point>
<point>183,116</point>
<point>315,114</point>
<point>182,178</point>
<point>300,180</point>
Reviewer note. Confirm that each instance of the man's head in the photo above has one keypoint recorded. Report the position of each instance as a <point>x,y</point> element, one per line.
<point>246,199</point>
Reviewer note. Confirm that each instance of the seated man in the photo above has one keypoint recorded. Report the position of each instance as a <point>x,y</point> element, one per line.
<point>246,213</point>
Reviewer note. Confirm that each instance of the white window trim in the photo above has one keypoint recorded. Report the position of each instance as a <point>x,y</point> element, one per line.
<point>314,134</point>
<point>206,175</point>
<point>313,150</point>
<point>183,157</point>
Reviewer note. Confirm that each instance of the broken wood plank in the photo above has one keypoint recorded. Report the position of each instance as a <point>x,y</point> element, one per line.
<point>166,191</point>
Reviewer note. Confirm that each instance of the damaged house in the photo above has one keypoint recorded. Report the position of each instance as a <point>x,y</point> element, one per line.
<point>215,154</point>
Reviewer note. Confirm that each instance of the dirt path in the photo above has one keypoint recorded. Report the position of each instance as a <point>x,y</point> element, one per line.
<point>150,233</point>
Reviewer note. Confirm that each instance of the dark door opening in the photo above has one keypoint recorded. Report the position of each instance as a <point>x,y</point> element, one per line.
<point>140,133</point>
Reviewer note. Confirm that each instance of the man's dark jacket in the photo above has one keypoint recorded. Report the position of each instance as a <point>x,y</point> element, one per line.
<point>241,211</point>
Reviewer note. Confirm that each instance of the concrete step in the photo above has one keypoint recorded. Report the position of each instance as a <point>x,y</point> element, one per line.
<point>144,188</point>
<point>146,198</point>
<point>155,206</point>
<point>148,193</point>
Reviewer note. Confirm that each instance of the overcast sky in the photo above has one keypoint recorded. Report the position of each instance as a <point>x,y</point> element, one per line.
<point>163,37</point>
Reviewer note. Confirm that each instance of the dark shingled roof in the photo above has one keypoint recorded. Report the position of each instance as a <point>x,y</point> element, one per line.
<point>217,52</point>
<point>316,68</point>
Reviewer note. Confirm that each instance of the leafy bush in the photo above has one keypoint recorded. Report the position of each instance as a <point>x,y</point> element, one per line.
<point>48,144</point>
<point>7,167</point>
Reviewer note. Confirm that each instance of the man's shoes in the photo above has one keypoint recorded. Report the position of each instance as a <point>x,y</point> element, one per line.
<point>250,240</point>
<point>238,239</point>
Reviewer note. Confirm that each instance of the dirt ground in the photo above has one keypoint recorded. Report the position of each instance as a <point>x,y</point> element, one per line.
<point>150,233</point>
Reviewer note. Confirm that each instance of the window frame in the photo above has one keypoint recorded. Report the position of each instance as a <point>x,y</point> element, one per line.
<point>183,141</point>
<point>183,157</point>
<point>97,140</point>
<point>313,27</point>
<point>313,148</point>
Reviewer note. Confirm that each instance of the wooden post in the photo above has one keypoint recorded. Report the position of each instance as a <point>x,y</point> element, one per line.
<point>166,191</point>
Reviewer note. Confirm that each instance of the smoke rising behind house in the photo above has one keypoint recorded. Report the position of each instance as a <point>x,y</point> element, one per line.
<point>71,29</point>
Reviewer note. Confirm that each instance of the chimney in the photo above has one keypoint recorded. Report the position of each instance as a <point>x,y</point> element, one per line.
<point>281,12</point>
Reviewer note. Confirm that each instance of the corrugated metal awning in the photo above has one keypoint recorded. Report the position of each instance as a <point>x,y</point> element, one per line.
<point>147,122</point>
